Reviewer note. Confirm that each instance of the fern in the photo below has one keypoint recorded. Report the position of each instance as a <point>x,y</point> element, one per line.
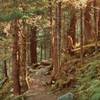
<point>89,85</point>
<point>96,96</point>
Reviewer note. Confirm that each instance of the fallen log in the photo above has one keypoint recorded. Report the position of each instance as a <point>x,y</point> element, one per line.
<point>87,49</point>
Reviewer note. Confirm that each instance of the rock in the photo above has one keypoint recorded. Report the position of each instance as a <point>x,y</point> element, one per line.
<point>43,71</point>
<point>67,96</point>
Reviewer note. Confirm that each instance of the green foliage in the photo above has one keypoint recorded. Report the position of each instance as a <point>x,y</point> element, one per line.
<point>38,11</point>
<point>96,96</point>
<point>90,84</point>
<point>4,18</point>
<point>90,91</point>
<point>8,17</point>
<point>17,14</point>
<point>30,1</point>
<point>6,90</point>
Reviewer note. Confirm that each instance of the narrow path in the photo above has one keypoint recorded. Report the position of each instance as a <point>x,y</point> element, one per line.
<point>38,90</point>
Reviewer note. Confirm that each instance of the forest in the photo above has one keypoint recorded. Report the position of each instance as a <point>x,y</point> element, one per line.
<point>49,49</point>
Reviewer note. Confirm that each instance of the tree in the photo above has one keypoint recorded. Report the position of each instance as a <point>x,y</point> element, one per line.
<point>81,34</point>
<point>5,69</point>
<point>96,15</point>
<point>50,10</point>
<point>88,25</point>
<point>33,45</point>
<point>23,57</point>
<point>99,26</point>
<point>15,60</point>
<point>56,41</point>
<point>72,29</point>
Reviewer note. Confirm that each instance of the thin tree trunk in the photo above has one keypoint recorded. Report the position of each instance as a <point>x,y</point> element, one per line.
<point>5,66</point>
<point>58,31</point>
<point>81,39</point>
<point>23,58</point>
<point>96,24</point>
<point>99,26</point>
<point>45,50</point>
<point>41,52</point>
<point>89,34</point>
<point>15,63</point>
<point>28,58</point>
<point>72,29</point>
<point>54,49</point>
<point>51,24</point>
<point>33,45</point>
<point>56,41</point>
<point>5,69</point>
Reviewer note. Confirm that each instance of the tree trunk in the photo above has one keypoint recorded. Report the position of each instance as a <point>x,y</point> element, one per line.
<point>33,45</point>
<point>88,25</point>
<point>23,58</point>
<point>5,69</point>
<point>81,37</point>
<point>58,31</point>
<point>56,42</point>
<point>99,26</point>
<point>72,29</point>
<point>15,63</point>
<point>54,49</point>
<point>95,24</point>
<point>50,8</point>
<point>5,66</point>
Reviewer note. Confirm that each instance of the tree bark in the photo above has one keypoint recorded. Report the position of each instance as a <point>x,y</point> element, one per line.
<point>56,41</point>
<point>72,29</point>
<point>99,27</point>
<point>54,49</point>
<point>33,45</point>
<point>88,25</point>
<point>81,35</point>
<point>23,35</point>
<point>96,24</point>
<point>15,63</point>
<point>5,69</point>
<point>58,31</point>
<point>50,8</point>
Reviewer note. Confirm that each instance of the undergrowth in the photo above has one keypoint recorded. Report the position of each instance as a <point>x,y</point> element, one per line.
<point>89,83</point>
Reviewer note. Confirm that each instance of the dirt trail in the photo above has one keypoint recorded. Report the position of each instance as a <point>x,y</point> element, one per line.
<point>42,97</point>
<point>38,90</point>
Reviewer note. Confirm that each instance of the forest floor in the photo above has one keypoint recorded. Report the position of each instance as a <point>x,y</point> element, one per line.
<point>38,89</point>
<point>83,78</point>
<point>83,81</point>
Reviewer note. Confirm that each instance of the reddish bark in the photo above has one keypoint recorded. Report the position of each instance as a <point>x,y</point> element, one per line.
<point>72,29</point>
<point>99,26</point>
<point>70,45</point>
<point>33,45</point>
<point>5,69</point>
<point>23,37</point>
<point>88,33</point>
<point>81,36</point>
<point>54,49</point>
<point>51,24</point>
<point>56,42</point>
<point>16,67</point>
